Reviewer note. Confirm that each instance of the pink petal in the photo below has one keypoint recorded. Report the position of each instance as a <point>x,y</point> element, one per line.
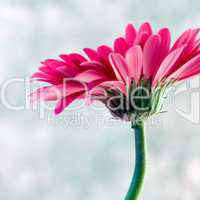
<point>193,35</point>
<point>194,46</point>
<point>120,46</point>
<point>92,54</point>
<point>66,101</point>
<point>145,27</point>
<point>165,42</point>
<point>119,66</point>
<point>45,69</point>
<point>141,38</point>
<point>50,66</point>
<point>90,76</point>
<point>130,34</point>
<point>50,93</point>
<point>167,64</point>
<point>190,66</point>
<point>183,39</point>
<point>67,71</point>
<point>48,62</point>
<point>52,63</point>
<point>134,59</point>
<point>103,52</point>
<point>45,94</point>
<point>50,81</point>
<point>45,76</point>
<point>68,60</point>
<point>52,71</point>
<point>189,75</point>
<point>95,66</point>
<point>64,57</point>
<point>191,43</point>
<point>77,58</point>
<point>151,55</point>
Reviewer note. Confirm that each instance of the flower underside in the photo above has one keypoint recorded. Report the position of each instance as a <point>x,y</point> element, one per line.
<point>139,103</point>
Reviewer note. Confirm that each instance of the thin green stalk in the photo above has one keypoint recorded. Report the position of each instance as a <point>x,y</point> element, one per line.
<point>140,163</point>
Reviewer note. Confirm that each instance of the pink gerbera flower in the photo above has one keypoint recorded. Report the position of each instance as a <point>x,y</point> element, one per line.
<point>130,79</point>
<point>140,61</point>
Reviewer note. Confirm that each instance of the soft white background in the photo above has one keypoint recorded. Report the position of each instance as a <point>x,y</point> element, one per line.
<point>84,154</point>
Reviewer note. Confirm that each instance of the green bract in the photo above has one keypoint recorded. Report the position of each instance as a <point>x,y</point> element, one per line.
<point>140,101</point>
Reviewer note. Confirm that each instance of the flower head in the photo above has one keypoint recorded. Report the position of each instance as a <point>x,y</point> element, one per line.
<point>130,78</point>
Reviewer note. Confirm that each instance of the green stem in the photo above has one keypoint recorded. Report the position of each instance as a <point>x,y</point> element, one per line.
<point>140,163</point>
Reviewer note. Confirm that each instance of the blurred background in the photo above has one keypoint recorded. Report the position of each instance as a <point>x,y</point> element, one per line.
<point>85,154</point>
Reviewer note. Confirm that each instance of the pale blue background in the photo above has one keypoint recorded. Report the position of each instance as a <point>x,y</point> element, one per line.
<point>72,156</point>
